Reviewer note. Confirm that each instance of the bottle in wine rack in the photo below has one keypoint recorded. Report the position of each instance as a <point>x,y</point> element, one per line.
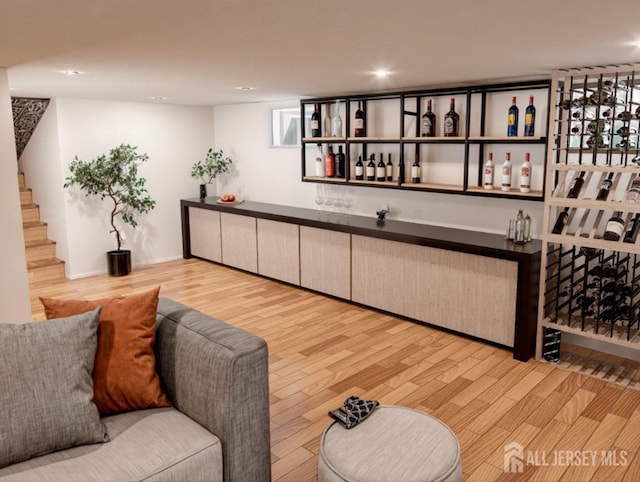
<point>359,169</point>
<point>336,121</point>
<point>488,172</point>
<point>415,171</point>
<point>525,174</point>
<point>371,168</point>
<point>632,231</point>
<point>576,185</point>
<point>315,121</point>
<point>330,163</point>
<point>528,228</point>
<point>530,118</point>
<point>381,170</point>
<point>359,124</point>
<point>506,173</point>
<point>519,235</point>
<point>633,193</point>
<point>428,122</point>
<point>400,171</point>
<point>561,222</point>
<point>340,163</point>
<point>319,162</point>
<point>327,121</point>
<point>615,227</point>
<point>605,188</point>
<point>551,345</point>
<point>512,119</point>
<point>389,168</point>
<point>451,121</point>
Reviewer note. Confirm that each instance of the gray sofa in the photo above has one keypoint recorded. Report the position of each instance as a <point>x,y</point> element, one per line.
<point>216,377</point>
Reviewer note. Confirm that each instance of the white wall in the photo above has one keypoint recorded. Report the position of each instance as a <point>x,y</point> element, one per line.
<point>273,175</point>
<point>173,136</point>
<point>14,286</point>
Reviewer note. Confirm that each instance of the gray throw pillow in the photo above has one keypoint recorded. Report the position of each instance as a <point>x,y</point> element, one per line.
<point>46,389</point>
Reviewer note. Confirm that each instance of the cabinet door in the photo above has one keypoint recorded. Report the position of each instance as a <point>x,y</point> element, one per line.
<point>325,261</point>
<point>204,232</point>
<point>279,250</point>
<point>239,245</point>
<point>463,292</point>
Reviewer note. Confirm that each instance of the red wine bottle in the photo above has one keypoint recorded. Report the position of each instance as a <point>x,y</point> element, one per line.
<point>315,121</point>
<point>389,169</point>
<point>381,170</point>
<point>360,128</point>
<point>451,121</point>
<point>605,188</point>
<point>415,171</point>
<point>576,186</point>
<point>561,221</point>
<point>359,169</point>
<point>428,122</point>
<point>615,227</point>
<point>340,163</point>
<point>632,231</point>
<point>371,168</point>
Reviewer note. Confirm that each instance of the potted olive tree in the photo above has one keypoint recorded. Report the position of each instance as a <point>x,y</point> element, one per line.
<point>214,163</point>
<point>115,177</point>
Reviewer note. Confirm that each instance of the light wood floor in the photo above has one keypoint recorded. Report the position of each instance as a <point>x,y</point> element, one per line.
<point>322,350</point>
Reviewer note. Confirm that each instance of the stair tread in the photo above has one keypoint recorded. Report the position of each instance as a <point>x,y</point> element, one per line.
<point>39,242</point>
<point>29,205</point>
<point>33,224</point>
<point>43,263</point>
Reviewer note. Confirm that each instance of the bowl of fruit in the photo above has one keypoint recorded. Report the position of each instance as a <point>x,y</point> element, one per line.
<point>229,199</point>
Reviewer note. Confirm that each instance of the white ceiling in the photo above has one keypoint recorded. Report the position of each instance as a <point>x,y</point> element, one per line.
<point>200,51</point>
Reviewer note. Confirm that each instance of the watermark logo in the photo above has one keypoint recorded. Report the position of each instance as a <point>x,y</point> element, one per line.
<point>516,458</point>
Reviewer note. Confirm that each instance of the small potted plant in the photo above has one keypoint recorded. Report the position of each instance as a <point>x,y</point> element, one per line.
<point>215,163</point>
<point>115,177</point>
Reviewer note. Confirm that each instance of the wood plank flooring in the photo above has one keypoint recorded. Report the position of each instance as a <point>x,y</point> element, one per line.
<point>322,350</point>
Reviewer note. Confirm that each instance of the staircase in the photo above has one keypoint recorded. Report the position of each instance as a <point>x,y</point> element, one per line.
<point>42,264</point>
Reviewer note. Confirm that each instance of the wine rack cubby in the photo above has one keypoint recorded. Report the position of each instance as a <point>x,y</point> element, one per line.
<point>590,282</point>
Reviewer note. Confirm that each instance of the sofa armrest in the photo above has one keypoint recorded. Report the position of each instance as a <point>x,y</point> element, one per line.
<point>218,375</point>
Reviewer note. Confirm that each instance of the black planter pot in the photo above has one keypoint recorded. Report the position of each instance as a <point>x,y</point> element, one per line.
<point>119,262</point>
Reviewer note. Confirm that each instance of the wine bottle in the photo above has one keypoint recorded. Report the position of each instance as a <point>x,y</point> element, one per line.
<point>330,163</point>
<point>605,188</point>
<point>633,193</point>
<point>528,228</point>
<point>327,121</point>
<point>506,173</point>
<point>563,217</point>
<point>615,227</point>
<point>451,121</point>
<point>428,122</point>
<point>315,121</point>
<point>400,171</point>
<point>530,118</point>
<point>488,172</point>
<point>381,171</point>
<point>525,174</point>
<point>415,171</point>
<point>576,185</point>
<point>360,129</point>
<point>340,163</point>
<point>336,121</point>
<point>512,119</point>
<point>389,169</point>
<point>519,235</point>
<point>371,168</point>
<point>632,231</point>
<point>359,169</point>
<point>320,162</point>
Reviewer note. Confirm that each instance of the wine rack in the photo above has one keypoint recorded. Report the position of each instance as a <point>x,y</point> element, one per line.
<point>590,284</point>
<point>449,164</point>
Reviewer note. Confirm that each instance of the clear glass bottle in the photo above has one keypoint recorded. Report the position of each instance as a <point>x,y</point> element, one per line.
<point>336,121</point>
<point>319,162</point>
<point>519,235</point>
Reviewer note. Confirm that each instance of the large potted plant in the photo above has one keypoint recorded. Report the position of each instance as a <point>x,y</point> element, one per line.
<point>214,163</point>
<point>115,177</point>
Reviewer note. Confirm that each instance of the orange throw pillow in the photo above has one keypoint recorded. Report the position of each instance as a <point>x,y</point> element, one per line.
<point>124,373</point>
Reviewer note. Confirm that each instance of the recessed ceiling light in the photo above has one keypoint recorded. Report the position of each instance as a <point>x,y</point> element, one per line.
<point>159,98</point>
<point>72,72</point>
<point>245,88</point>
<point>381,73</point>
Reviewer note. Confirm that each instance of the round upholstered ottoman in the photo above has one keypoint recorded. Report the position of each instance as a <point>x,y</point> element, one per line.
<point>394,444</point>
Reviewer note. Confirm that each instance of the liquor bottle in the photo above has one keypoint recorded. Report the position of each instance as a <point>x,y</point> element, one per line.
<point>506,173</point>
<point>415,171</point>
<point>340,163</point>
<point>320,162</point>
<point>315,121</point>
<point>563,217</point>
<point>428,122</point>
<point>400,171</point>
<point>576,185</point>
<point>615,227</point>
<point>359,169</point>
<point>530,118</point>
<point>525,174</point>
<point>519,235</point>
<point>360,130</point>
<point>605,188</point>
<point>389,169</point>
<point>488,172</point>
<point>451,121</point>
<point>633,193</point>
<point>336,121</point>
<point>528,229</point>
<point>371,168</point>
<point>330,163</point>
<point>381,171</point>
<point>632,231</point>
<point>327,121</point>
<point>512,119</point>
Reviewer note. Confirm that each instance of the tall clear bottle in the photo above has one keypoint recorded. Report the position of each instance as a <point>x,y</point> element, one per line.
<point>336,121</point>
